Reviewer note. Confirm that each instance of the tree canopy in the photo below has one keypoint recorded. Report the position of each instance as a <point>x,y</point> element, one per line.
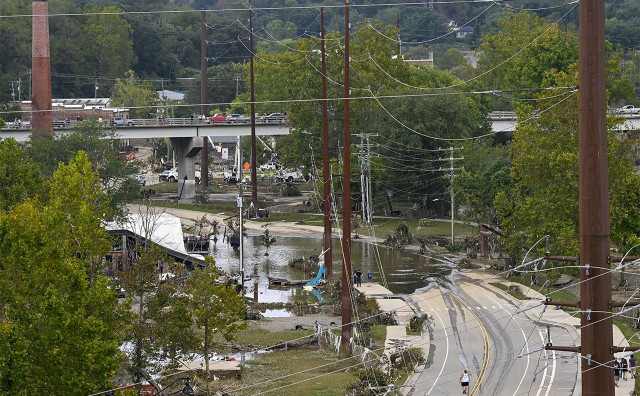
<point>62,339</point>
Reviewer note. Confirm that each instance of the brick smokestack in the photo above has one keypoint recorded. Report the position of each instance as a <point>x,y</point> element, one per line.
<point>42,123</point>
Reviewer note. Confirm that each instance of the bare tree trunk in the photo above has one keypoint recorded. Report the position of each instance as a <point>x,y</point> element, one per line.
<point>206,353</point>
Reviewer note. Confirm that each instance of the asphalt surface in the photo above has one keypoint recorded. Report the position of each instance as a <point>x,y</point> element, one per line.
<point>474,327</point>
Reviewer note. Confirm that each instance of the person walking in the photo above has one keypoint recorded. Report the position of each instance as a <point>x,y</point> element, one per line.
<point>369,277</point>
<point>359,278</point>
<point>632,366</point>
<point>464,381</point>
<point>623,367</point>
<point>616,372</point>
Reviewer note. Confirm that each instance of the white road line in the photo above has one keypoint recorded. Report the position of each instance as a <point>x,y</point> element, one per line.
<point>526,343</point>
<point>553,373</point>
<point>446,356</point>
<point>546,366</point>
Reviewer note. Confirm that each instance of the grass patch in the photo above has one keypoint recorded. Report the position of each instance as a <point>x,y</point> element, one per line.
<point>217,207</point>
<point>411,332</point>
<point>513,293</point>
<point>254,335</point>
<point>303,218</point>
<point>557,294</point>
<point>379,333</point>
<point>385,227</point>
<point>280,363</point>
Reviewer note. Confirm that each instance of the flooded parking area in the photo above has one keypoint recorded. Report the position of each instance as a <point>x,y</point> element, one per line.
<point>404,271</point>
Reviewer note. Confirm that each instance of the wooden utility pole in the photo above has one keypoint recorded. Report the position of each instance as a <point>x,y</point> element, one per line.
<point>254,178</point>
<point>326,172</point>
<point>595,278</point>
<point>346,195</point>
<point>204,154</point>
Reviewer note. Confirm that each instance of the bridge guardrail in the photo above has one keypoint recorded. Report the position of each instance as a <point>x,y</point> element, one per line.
<point>142,122</point>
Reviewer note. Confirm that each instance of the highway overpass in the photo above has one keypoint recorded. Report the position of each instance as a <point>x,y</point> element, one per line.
<point>505,121</point>
<point>151,128</point>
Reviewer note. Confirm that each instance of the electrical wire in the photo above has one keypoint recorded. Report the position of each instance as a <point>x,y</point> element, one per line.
<point>315,7</point>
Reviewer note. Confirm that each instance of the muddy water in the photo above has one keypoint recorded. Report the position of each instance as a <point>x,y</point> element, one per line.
<point>405,272</point>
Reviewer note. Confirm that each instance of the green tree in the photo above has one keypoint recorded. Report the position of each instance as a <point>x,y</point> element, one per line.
<point>485,174</point>
<point>59,329</point>
<point>108,41</point>
<point>102,150</point>
<point>160,323</point>
<point>19,177</point>
<point>216,307</point>
<point>130,92</point>
<point>544,196</point>
<point>450,59</point>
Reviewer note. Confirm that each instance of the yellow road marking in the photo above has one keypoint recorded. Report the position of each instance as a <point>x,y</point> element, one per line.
<point>485,357</point>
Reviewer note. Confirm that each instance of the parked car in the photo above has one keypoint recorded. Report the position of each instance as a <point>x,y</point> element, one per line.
<point>273,117</point>
<point>218,117</point>
<point>234,118</point>
<point>270,166</point>
<point>121,122</point>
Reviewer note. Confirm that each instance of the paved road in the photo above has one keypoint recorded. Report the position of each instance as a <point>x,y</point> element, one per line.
<point>474,328</point>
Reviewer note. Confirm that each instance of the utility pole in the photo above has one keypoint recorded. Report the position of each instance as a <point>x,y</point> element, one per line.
<point>452,195</point>
<point>346,195</point>
<point>596,325</point>
<point>369,191</point>
<point>240,197</point>
<point>95,93</point>
<point>254,178</point>
<point>204,154</point>
<point>596,332</point>
<point>363,196</point>
<point>365,175</point>
<point>326,172</point>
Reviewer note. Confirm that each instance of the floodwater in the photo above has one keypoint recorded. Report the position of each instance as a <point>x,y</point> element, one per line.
<point>405,272</point>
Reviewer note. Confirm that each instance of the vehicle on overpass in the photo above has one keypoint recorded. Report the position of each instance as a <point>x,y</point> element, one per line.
<point>216,118</point>
<point>59,123</point>
<point>628,109</point>
<point>237,118</point>
<point>121,122</point>
<point>273,117</point>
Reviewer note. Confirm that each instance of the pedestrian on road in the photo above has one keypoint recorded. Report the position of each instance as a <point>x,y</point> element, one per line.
<point>624,366</point>
<point>632,366</point>
<point>464,382</point>
<point>616,372</point>
<point>359,278</point>
<point>369,277</point>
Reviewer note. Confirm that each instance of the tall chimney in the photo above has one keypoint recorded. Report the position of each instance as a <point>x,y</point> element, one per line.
<point>42,122</point>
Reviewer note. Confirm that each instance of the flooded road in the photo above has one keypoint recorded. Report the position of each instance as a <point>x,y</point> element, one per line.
<point>405,272</point>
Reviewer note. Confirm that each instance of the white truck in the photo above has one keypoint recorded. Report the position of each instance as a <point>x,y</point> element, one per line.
<point>171,175</point>
<point>293,175</point>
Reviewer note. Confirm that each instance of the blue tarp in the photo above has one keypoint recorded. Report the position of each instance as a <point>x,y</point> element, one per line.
<point>318,278</point>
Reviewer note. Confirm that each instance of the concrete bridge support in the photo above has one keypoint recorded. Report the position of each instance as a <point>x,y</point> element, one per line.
<point>186,150</point>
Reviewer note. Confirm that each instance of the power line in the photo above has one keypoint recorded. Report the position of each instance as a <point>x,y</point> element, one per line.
<point>316,7</point>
